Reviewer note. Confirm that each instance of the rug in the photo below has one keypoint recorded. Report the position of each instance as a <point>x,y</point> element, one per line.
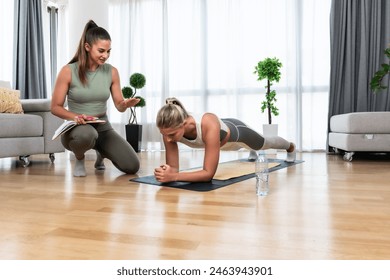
<point>228,173</point>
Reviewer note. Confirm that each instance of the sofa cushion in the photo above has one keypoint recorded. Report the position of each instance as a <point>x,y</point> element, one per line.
<point>20,125</point>
<point>9,101</point>
<point>361,122</point>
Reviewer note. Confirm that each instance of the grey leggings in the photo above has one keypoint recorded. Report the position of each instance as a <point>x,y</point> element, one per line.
<point>104,139</point>
<point>246,137</point>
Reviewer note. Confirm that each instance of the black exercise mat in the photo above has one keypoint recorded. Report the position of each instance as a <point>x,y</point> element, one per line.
<point>214,184</point>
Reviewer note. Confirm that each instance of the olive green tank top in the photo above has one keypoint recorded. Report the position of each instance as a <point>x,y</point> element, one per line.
<point>90,99</point>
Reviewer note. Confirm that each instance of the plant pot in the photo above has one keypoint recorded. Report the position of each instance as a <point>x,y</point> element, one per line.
<point>270,130</point>
<point>134,136</point>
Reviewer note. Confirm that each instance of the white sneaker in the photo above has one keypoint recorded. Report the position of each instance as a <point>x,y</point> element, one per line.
<point>292,155</point>
<point>252,155</point>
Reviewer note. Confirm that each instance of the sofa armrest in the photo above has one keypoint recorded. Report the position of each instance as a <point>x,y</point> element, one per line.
<point>42,107</point>
<point>36,105</point>
<point>50,125</point>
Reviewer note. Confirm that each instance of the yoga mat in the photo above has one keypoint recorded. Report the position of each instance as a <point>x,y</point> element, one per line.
<point>217,183</point>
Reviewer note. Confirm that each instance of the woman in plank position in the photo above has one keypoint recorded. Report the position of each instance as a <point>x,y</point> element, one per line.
<point>209,132</point>
<point>87,82</point>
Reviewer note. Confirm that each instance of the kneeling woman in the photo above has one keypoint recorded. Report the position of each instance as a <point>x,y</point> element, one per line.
<point>209,132</point>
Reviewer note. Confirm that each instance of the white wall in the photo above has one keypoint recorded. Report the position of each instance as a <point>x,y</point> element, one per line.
<point>80,12</point>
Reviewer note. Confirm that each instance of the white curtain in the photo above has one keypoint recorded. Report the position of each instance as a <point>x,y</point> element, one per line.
<point>63,55</point>
<point>7,39</point>
<point>204,53</point>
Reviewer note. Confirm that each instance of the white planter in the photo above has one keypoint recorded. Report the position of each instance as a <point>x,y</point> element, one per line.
<point>270,130</point>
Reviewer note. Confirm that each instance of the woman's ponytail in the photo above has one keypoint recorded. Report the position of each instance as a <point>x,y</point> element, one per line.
<point>92,32</point>
<point>172,114</point>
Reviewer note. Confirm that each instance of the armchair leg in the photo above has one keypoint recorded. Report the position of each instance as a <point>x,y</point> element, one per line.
<point>348,156</point>
<point>25,160</point>
<point>52,157</point>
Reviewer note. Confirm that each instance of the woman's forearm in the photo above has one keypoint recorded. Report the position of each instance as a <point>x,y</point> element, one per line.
<point>62,113</point>
<point>195,176</point>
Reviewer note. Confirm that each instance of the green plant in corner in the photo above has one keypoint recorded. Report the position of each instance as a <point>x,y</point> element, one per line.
<point>137,81</point>
<point>269,69</point>
<point>376,81</point>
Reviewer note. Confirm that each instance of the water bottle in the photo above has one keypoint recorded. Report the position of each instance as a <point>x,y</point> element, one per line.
<point>262,175</point>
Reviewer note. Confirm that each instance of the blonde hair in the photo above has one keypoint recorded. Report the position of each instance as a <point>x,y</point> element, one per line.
<point>172,114</point>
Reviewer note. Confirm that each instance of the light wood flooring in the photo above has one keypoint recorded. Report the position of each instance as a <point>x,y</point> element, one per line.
<point>324,208</point>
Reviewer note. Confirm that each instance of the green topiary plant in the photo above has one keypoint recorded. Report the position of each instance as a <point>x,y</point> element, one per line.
<point>376,81</point>
<point>269,69</point>
<point>137,81</point>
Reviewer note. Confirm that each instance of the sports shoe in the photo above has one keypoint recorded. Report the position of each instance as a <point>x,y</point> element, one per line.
<point>99,164</point>
<point>291,156</point>
<point>252,155</point>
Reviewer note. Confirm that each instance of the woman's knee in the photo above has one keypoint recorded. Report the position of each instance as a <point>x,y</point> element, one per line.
<point>119,151</point>
<point>131,166</point>
<point>85,133</point>
<point>81,137</point>
<point>250,137</point>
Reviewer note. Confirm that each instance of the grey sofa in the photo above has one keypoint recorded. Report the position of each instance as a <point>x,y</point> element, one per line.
<point>360,132</point>
<point>22,135</point>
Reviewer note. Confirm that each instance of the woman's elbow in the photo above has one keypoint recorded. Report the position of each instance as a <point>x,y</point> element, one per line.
<point>54,109</point>
<point>208,177</point>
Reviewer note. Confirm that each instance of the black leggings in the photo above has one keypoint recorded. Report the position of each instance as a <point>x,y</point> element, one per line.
<point>246,137</point>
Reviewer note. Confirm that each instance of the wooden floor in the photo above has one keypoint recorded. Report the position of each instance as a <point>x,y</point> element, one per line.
<point>324,208</point>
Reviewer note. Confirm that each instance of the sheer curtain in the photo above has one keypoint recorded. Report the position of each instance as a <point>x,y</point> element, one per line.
<point>60,48</point>
<point>7,39</point>
<point>204,53</point>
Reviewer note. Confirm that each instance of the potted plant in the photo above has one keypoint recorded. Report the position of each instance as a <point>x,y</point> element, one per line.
<point>269,69</point>
<point>133,129</point>
<point>376,81</point>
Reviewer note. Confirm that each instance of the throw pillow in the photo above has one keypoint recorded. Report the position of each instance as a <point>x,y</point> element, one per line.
<point>10,101</point>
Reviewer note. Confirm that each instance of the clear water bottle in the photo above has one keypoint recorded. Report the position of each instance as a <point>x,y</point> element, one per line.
<point>262,175</point>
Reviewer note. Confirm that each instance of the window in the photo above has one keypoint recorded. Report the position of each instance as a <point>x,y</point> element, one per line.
<point>204,53</point>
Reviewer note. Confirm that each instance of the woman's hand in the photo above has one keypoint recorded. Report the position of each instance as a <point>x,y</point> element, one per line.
<point>129,102</point>
<point>82,119</point>
<point>166,173</point>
